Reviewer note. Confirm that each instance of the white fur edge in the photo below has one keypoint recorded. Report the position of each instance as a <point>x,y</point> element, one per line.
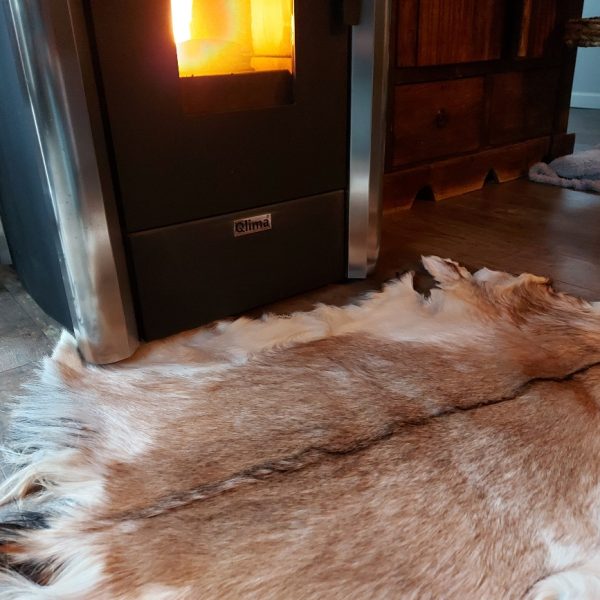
<point>582,583</point>
<point>67,482</point>
<point>396,313</point>
<point>66,351</point>
<point>80,574</point>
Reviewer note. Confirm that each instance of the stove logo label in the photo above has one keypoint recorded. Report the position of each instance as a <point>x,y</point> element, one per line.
<point>252,225</point>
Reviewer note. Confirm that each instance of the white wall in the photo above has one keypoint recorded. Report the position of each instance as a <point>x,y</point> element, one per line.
<point>586,85</point>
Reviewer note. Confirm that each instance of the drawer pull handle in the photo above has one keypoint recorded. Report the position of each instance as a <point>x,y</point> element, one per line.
<point>441,118</point>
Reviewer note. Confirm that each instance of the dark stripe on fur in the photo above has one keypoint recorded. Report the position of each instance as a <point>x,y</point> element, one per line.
<point>308,457</point>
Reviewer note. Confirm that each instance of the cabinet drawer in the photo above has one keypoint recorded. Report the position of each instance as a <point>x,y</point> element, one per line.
<point>522,105</point>
<point>437,119</point>
<point>440,32</point>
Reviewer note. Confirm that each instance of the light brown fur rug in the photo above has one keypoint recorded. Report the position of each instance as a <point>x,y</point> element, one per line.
<point>406,447</point>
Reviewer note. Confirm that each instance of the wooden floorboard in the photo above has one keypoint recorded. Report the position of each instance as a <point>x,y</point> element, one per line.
<point>516,227</point>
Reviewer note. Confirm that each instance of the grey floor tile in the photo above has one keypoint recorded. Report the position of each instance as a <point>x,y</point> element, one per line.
<point>10,281</point>
<point>11,383</point>
<point>21,339</point>
<point>12,317</point>
<point>22,347</point>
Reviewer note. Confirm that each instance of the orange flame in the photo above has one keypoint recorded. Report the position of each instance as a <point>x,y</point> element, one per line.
<point>221,37</point>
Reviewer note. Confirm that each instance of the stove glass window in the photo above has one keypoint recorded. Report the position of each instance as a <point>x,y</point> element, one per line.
<point>225,37</point>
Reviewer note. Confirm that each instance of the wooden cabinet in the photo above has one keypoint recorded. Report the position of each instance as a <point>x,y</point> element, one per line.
<point>445,32</point>
<point>437,119</point>
<point>522,104</point>
<point>479,89</point>
<point>540,28</point>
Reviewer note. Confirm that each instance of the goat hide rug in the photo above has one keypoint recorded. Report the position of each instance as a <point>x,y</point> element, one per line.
<point>405,447</point>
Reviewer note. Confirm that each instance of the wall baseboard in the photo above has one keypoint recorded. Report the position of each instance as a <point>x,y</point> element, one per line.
<point>585,100</point>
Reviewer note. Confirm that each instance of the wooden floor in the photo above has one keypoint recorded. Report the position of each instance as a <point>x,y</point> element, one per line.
<point>515,227</point>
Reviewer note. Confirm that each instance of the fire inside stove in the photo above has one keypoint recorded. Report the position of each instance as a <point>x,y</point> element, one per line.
<point>224,37</point>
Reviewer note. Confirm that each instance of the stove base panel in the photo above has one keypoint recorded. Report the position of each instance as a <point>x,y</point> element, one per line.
<point>190,274</point>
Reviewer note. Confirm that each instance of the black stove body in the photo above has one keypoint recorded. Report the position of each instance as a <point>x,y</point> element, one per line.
<point>189,170</point>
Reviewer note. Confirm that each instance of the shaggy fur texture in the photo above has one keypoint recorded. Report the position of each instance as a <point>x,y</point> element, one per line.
<point>405,447</point>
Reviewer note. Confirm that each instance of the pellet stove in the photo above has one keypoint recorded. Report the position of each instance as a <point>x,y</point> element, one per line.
<point>165,163</point>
